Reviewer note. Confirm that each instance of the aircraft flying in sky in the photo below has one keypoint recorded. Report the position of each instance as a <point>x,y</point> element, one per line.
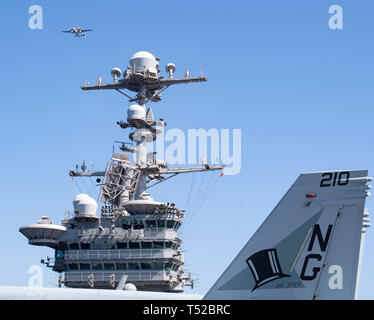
<point>77,31</point>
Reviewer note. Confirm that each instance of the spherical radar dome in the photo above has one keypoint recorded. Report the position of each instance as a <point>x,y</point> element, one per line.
<point>142,54</point>
<point>78,198</point>
<point>84,205</point>
<point>143,61</point>
<point>136,112</point>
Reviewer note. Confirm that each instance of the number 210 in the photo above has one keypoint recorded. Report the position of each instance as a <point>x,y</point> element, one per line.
<point>331,179</point>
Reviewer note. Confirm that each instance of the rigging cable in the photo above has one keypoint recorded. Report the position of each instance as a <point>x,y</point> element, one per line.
<point>200,199</point>
<point>210,188</point>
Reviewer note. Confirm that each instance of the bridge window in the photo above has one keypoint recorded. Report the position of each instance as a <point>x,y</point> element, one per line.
<point>146,265</point>
<point>122,245</point>
<point>158,245</point>
<point>74,246</point>
<point>121,266</point>
<point>126,225</point>
<point>134,245</point>
<point>134,266</point>
<point>85,246</point>
<point>138,225</point>
<point>168,244</point>
<point>151,223</point>
<point>176,226</point>
<point>157,265</point>
<point>161,223</point>
<point>73,266</point>
<point>85,266</point>
<point>146,244</point>
<point>170,224</point>
<point>168,265</point>
<point>97,266</point>
<point>108,266</point>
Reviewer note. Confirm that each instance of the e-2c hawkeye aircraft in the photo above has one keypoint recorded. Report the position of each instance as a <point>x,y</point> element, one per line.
<point>309,247</point>
<point>77,31</point>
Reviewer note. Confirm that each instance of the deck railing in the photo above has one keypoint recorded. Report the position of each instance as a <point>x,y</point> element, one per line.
<point>120,254</point>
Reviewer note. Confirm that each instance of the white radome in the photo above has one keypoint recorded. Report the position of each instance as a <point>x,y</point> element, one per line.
<point>143,62</point>
<point>136,112</point>
<point>84,205</point>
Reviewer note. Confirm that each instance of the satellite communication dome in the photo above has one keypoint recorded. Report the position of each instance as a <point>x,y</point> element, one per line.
<point>136,112</point>
<point>170,69</point>
<point>116,73</point>
<point>84,206</point>
<point>78,198</point>
<point>144,62</point>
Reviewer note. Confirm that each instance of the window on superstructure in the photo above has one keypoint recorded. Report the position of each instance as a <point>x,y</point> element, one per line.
<point>170,224</point>
<point>161,223</point>
<point>126,226</point>
<point>73,266</point>
<point>157,265</point>
<point>146,265</point>
<point>146,244</point>
<point>74,246</point>
<point>108,266</point>
<point>134,245</point>
<point>168,265</point>
<point>168,244</point>
<point>158,244</point>
<point>134,266</point>
<point>85,266</point>
<point>138,225</point>
<point>122,245</point>
<point>176,226</point>
<point>97,266</point>
<point>85,246</point>
<point>121,266</point>
<point>150,223</point>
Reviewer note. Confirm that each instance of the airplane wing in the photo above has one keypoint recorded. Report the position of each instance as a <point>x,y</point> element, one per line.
<point>169,82</point>
<point>86,30</point>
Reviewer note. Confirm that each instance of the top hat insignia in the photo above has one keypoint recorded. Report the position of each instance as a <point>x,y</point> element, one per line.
<point>265,267</point>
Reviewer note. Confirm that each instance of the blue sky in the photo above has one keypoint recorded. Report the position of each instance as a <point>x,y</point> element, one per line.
<point>302,95</point>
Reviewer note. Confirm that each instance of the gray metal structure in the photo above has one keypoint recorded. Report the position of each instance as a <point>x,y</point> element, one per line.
<point>134,236</point>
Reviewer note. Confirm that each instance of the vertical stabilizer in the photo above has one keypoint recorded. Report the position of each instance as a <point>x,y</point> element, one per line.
<point>309,247</point>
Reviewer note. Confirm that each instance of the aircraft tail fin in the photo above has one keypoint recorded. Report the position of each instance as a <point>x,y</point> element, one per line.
<point>309,247</point>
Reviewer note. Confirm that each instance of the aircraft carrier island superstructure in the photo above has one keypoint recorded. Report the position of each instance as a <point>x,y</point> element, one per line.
<point>130,239</point>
